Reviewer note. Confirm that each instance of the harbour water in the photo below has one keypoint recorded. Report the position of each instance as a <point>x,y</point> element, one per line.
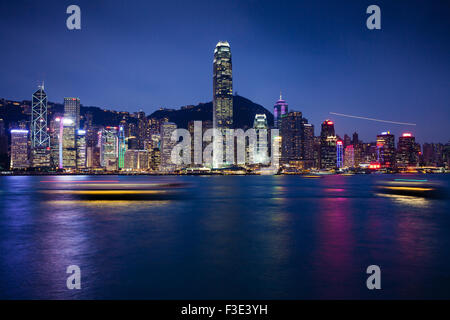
<point>225,237</point>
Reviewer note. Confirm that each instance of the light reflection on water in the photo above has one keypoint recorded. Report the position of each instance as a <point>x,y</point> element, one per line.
<point>228,237</point>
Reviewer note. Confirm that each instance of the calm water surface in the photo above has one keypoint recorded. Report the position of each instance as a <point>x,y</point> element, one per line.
<point>249,237</point>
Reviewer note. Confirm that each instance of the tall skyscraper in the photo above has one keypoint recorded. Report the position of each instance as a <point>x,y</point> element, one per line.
<point>68,149</point>
<point>72,110</point>
<point>19,149</point>
<point>260,152</point>
<point>279,111</point>
<point>40,139</point>
<point>166,146</point>
<point>386,149</point>
<point>328,140</point>
<point>291,137</point>
<point>339,153</point>
<point>81,148</point>
<point>222,94</point>
<point>109,148</point>
<point>308,143</point>
<point>122,147</point>
<point>406,151</point>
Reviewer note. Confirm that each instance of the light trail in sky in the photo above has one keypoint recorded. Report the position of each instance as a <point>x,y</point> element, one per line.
<point>372,119</point>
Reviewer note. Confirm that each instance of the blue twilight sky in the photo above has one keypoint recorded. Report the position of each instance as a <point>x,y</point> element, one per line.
<point>132,55</point>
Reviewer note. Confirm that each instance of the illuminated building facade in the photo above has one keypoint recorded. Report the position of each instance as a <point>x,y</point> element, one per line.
<point>72,110</point>
<point>136,160</point>
<point>122,147</point>
<point>81,149</point>
<point>155,159</point>
<point>19,149</point>
<point>40,139</point>
<point>279,111</point>
<point>349,156</point>
<point>222,95</point>
<point>328,148</point>
<point>308,143</point>
<point>339,153</point>
<point>68,149</point>
<point>167,145</point>
<point>291,137</point>
<point>260,152</point>
<point>109,148</point>
<point>386,149</point>
<point>433,154</point>
<point>407,154</point>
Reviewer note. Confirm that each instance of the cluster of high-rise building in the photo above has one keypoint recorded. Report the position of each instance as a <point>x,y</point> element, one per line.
<point>62,144</point>
<point>74,142</point>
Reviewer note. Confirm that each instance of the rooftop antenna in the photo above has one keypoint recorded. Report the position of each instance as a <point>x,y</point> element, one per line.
<point>281,98</point>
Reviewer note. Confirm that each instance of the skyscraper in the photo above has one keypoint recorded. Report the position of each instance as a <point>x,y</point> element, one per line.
<point>260,152</point>
<point>109,148</point>
<point>40,139</point>
<point>308,143</point>
<point>19,149</point>
<point>339,153</point>
<point>72,110</point>
<point>68,149</point>
<point>222,94</point>
<point>167,128</point>
<point>291,137</point>
<point>386,149</point>
<point>349,156</point>
<point>328,149</point>
<point>406,151</point>
<point>122,147</point>
<point>279,111</point>
<point>81,148</point>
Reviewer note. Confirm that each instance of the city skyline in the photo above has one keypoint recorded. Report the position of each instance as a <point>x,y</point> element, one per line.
<point>347,69</point>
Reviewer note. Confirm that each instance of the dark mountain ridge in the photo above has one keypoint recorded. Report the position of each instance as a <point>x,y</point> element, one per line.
<point>244,111</point>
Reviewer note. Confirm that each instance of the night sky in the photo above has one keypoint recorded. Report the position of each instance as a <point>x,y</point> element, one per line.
<point>132,55</point>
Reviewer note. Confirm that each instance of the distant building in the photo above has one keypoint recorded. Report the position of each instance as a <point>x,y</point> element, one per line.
<point>109,148</point>
<point>291,137</point>
<point>19,149</point>
<point>72,110</point>
<point>222,96</point>
<point>155,159</point>
<point>407,155</point>
<point>386,149</point>
<point>433,154</point>
<point>40,139</point>
<point>308,144</point>
<point>260,152</point>
<point>207,124</point>
<point>68,149</point>
<point>81,149</point>
<point>122,147</point>
<point>136,160</point>
<point>167,145</point>
<point>328,139</point>
<point>279,111</point>
<point>349,156</point>
<point>339,153</point>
